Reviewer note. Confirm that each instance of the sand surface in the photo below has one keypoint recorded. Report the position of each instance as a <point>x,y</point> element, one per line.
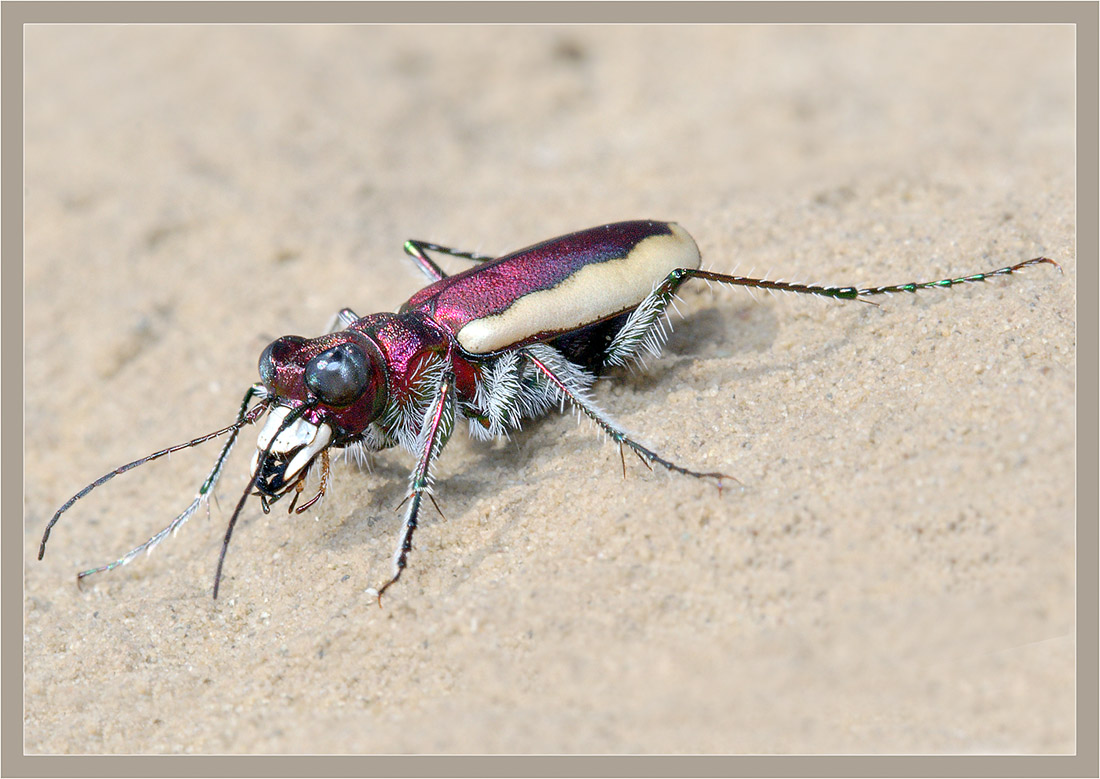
<point>895,575</point>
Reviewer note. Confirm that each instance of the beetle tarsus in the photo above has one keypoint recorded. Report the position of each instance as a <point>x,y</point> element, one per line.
<point>387,585</point>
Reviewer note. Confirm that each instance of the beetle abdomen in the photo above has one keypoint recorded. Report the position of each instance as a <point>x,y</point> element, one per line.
<point>557,286</point>
<point>588,346</point>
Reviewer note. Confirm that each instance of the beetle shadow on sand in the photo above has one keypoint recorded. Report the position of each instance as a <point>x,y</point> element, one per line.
<point>706,331</point>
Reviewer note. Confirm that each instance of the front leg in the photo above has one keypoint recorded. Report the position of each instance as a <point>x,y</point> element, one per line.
<point>434,433</point>
<point>341,320</point>
<point>416,250</point>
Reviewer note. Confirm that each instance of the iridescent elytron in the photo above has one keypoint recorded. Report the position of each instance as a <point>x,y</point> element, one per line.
<point>497,344</point>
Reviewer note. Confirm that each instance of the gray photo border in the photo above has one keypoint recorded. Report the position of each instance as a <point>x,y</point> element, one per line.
<point>1083,15</point>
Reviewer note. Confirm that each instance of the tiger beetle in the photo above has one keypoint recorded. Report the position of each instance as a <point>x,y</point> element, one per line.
<point>496,344</point>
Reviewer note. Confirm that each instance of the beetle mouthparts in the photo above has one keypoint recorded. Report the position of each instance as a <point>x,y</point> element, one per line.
<point>291,452</point>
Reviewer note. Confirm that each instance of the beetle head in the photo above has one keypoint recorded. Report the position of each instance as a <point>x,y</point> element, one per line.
<point>341,376</point>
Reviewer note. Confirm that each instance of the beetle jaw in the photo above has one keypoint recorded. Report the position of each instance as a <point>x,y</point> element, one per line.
<point>292,450</point>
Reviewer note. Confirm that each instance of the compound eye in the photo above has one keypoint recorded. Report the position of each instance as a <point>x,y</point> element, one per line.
<point>267,366</point>
<point>339,376</point>
<point>276,353</point>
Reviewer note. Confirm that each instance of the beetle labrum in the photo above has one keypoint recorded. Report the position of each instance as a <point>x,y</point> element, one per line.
<point>497,344</point>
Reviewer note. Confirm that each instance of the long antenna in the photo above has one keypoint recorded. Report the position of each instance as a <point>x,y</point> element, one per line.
<point>245,416</point>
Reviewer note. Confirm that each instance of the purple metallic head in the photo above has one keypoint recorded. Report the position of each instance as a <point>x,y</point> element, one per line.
<point>341,376</point>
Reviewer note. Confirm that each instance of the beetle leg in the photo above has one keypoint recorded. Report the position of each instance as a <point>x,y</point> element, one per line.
<point>416,249</point>
<point>501,399</point>
<point>646,328</point>
<point>558,371</point>
<point>434,432</point>
<point>341,319</point>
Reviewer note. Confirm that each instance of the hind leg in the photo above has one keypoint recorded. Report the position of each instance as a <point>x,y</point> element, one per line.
<point>560,374</point>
